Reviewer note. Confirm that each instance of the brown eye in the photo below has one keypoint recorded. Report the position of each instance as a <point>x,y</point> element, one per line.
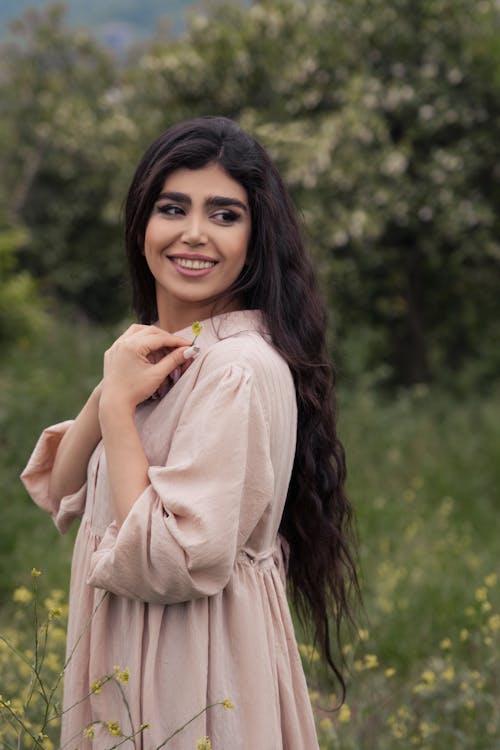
<point>170,209</point>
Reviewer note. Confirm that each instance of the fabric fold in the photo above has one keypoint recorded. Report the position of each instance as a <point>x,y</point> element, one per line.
<point>180,539</point>
<point>36,479</point>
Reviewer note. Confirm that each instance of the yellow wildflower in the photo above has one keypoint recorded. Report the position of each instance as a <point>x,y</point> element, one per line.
<point>344,714</point>
<point>114,728</point>
<point>481,594</point>
<point>55,613</point>
<point>448,674</point>
<point>227,703</point>
<point>35,572</point>
<point>123,675</point>
<point>494,623</point>
<point>325,724</point>
<point>371,661</point>
<point>390,672</point>
<point>464,634</point>
<point>363,634</point>
<point>89,732</point>
<point>429,676</point>
<point>204,744</point>
<point>485,607</point>
<point>445,644</point>
<point>196,329</point>
<point>308,651</point>
<point>96,686</point>
<point>491,580</point>
<point>22,595</point>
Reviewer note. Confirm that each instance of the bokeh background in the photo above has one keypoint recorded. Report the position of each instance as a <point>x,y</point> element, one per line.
<point>384,118</point>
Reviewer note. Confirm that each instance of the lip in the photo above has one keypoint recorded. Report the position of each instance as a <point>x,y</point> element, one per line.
<point>191,256</point>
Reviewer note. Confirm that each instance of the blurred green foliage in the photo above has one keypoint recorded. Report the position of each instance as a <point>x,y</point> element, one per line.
<point>424,478</point>
<point>383,117</point>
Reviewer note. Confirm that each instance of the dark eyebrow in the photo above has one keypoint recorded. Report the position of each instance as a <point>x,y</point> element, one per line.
<point>219,201</point>
<point>213,201</point>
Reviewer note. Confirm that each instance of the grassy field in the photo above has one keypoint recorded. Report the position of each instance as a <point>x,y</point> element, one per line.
<point>424,475</point>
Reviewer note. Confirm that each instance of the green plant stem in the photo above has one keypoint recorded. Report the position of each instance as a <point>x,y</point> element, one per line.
<point>178,731</point>
<point>21,723</point>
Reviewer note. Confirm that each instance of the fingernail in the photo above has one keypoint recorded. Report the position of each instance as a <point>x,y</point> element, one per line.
<point>191,352</point>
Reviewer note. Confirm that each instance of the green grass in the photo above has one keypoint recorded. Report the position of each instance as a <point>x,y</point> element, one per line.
<point>423,476</point>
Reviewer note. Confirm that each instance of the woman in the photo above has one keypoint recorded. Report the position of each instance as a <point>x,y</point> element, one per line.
<point>202,473</point>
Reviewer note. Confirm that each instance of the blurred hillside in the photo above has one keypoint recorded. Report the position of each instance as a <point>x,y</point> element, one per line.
<point>116,22</point>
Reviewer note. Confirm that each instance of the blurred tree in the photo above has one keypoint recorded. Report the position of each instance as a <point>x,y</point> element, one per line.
<point>384,119</point>
<point>61,140</point>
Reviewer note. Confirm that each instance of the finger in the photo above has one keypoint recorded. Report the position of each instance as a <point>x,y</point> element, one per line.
<point>158,340</point>
<point>191,352</point>
<point>171,361</point>
<point>134,328</point>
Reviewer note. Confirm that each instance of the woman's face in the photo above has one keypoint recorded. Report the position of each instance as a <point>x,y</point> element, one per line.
<point>196,242</point>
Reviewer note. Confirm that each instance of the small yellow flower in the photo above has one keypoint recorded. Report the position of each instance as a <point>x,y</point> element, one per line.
<point>371,661</point>
<point>491,580</point>
<point>390,672</point>
<point>494,623</point>
<point>22,595</point>
<point>123,675</point>
<point>448,674</point>
<point>325,724</point>
<point>227,703</point>
<point>114,728</point>
<point>344,714</point>
<point>464,634</point>
<point>308,651</point>
<point>89,732</point>
<point>445,644</point>
<point>35,573</point>
<point>363,634</point>
<point>96,686</point>
<point>429,676</point>
<point>204,744</point>
<point>196,329</point>
<point>481,594</point>
<point>55,613</point>
<point>486,607</point>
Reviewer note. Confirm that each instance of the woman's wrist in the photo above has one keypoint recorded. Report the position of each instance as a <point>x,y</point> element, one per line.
<point>112,403</point>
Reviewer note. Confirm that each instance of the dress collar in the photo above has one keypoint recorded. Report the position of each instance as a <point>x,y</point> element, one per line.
<point>225,324</point>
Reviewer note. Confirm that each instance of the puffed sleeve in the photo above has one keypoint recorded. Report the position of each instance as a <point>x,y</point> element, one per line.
<point>180,539</point>
<point>36,478</point>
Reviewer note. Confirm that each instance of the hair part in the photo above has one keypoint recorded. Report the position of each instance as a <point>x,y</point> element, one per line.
<point>279,280</point>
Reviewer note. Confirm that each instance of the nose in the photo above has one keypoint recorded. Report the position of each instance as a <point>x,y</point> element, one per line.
<point>194,233</point>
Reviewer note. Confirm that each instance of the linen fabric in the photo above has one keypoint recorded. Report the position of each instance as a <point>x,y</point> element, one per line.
<point>189,594</point>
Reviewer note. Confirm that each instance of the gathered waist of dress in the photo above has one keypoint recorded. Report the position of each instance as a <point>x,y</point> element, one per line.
<point>267,558</point>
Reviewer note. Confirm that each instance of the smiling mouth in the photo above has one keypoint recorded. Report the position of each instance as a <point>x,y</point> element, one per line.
<point>193,263</point>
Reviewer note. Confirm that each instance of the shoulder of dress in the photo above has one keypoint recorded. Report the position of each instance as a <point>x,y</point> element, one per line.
<point>248,350</point>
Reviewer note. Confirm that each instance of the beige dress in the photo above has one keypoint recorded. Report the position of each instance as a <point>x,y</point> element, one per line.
<point>196,609</point>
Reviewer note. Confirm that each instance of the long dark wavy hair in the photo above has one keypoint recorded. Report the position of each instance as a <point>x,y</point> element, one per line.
<point>280,281</point>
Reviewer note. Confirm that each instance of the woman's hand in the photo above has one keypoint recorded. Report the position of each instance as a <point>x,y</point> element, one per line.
<point>138,362</point>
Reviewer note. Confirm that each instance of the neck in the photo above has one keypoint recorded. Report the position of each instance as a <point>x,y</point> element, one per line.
<point>176,317</point>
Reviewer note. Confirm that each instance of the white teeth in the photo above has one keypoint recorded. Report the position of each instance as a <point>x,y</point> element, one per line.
<point>194,264</point>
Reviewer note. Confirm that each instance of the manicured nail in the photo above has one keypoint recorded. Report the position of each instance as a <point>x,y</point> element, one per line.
<point>191,352</point>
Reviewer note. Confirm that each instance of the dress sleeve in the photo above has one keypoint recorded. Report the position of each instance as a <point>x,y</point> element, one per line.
<point>180,538</point>
<point>36,477</point>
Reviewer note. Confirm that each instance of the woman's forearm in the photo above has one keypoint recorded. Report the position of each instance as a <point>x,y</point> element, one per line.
<point>70,465</point>
<point>126,462</point>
